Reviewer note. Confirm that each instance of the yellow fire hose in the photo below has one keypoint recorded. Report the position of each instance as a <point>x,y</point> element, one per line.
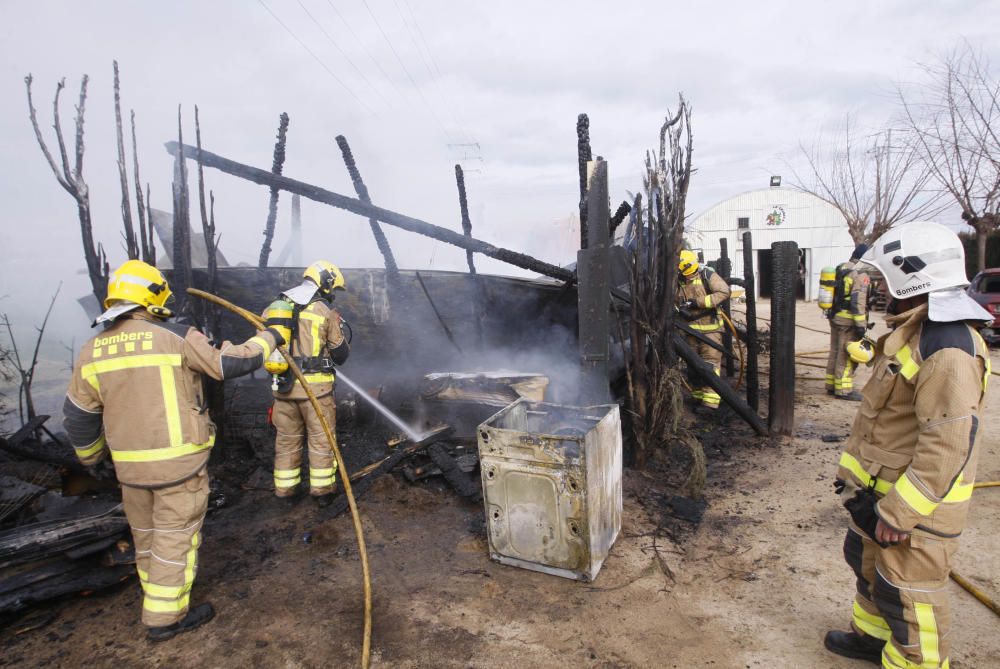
<point>258,323</point>
<point>962,581</point>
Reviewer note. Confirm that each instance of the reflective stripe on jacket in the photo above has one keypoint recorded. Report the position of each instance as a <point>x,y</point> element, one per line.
<point>916,435</point>
<point>136,392</point>
<point>693,288</point>
<point>319,336</point>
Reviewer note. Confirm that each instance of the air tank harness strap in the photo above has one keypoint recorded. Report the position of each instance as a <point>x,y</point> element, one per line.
<point>315,364</point>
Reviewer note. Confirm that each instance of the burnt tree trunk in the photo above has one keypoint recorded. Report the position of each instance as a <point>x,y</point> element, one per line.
<point>182,227</point>
<point>277,165</point>
<point>583,156</point>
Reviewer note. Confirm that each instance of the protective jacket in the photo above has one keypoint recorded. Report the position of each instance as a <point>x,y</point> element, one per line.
<point>850,296</point>
<point>708,290</point>
<point>916,436</point>
<point>136,393</point>
<point>318,344</point>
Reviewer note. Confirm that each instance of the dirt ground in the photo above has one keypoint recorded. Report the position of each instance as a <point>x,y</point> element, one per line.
<point>755,584</point>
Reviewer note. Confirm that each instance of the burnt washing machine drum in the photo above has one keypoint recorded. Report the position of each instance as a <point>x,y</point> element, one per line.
<point>552,486</point>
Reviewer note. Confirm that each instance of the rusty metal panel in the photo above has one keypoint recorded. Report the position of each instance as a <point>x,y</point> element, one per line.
<point>552,486</point>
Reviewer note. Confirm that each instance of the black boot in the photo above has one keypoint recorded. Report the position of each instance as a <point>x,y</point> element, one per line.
<point>323,501</point>
<point>195,617</point>
<point>853,396</point>
<point>852,644</point>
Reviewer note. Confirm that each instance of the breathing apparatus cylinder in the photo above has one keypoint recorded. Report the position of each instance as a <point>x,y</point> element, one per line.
<point>827,286</point>
<point>276,365</point>
<point>279,315</point>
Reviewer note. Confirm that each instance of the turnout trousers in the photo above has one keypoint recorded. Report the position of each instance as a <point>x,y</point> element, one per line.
<point>297,425</point>
<point>902,598</point>
<point>166,528</point>
<point>705,393</point>
<point>839,366</point>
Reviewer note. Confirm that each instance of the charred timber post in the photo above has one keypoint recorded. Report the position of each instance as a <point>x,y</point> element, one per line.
<point>463,204</point>
<point>391,269</point>
<point>726,272</point>
<point>753,347</point>
<point>272,207</point>
<point>478,305</point>
<point>593,290</point>
<point>583,157</point>
<point>784,273</point>
<point>317,194</point>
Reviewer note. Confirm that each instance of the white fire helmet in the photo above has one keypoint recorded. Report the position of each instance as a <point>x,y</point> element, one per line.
<point>918,258</point>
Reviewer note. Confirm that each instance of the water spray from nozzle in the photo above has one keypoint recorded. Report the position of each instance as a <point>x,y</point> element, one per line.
<point>410,433</point>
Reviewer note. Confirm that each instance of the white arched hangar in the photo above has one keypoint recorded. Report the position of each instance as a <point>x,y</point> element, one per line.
<point>772,215</point>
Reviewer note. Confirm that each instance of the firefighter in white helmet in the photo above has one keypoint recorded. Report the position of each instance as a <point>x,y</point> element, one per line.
<point>848,323</point>
<point>318,344</point>
<point>700,293</point>
<point>913,451</point>
<point>136,396</point>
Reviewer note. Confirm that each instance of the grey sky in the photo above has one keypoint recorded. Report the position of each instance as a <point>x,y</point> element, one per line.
<point>761,77</point>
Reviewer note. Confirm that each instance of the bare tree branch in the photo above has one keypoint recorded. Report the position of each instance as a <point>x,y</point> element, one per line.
<point>131,248</point>
<point>954,115</point>
<point>72,181</point>
<point>875,185</point>
<point>145,237</point>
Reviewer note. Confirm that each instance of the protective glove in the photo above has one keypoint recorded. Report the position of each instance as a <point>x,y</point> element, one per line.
<point>280,333</point>
<point>839,485</point>
<point>686,314</point>
<point>859,332</point>
<point>690,305</point>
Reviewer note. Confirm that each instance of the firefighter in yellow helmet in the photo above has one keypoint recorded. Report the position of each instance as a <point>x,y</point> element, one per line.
<point>318,343</point>
<point>848,323</point>
<point>913,452</point>
<point>700,292</point>
<point>136,397</point>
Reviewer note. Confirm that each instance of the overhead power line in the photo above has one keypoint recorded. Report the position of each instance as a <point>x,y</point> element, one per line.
<point>343,53</point>
<point>434,79</point>
<point>409,76</point>
<point>364,47</point>
<point>317,59</point>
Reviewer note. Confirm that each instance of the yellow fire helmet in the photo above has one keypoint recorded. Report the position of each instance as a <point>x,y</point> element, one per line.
<point>139,283</point>
<point>326,275</point>
<point>861,351</point>
<point>688,264</point>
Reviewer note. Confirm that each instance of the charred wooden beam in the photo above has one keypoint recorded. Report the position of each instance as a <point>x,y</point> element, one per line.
<point>277,164</point>
<point>54,453</point>
<point>317,194</point>
<point>719,384</point>
<point>391,269</point>
<point>35,542</point>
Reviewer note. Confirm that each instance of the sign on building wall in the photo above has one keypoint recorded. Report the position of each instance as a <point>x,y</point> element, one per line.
<point>777,215</point>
